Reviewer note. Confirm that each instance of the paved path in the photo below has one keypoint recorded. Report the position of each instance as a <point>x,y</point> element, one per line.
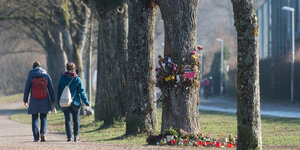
<point>229,105</point>
<point>18,136</point>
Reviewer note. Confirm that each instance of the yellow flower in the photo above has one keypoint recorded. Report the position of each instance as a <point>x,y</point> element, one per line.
<point>170,77</point>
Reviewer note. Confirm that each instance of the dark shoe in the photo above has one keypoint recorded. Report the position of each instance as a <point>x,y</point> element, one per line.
<point>76,139</point>
<point>69,140</point>
<point>43,139</point>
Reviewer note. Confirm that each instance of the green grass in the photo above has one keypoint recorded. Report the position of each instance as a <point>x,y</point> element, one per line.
<point>11,98</point>
<point>89,130</point>
<point>275,131</point>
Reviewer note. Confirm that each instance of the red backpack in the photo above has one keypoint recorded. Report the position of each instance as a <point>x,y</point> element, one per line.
<point>39,88</point>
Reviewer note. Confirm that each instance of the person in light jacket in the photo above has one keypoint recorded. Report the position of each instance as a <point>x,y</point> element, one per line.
<point>41,105</point>
<point>78,94</point>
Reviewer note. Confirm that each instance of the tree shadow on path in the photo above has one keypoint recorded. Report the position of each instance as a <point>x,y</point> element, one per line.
<point>10,111</point>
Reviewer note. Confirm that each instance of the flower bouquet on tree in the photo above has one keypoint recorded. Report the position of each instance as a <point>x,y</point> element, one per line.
<point>178,74</point>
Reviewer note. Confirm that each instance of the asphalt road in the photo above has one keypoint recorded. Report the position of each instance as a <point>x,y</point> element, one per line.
<point>229,105</point>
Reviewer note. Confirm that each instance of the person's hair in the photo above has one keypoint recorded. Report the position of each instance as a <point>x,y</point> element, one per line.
<point>36,64</point>
<point>71,66</point>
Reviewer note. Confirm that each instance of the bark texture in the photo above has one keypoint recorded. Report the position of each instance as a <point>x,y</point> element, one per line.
<point>81,40</point>
<point>248,108</point>
<point>180,109</point>
<point>141,116</point>
<point>112,52</point>
<point>75,36</point>
<point>56,59</point>
<point>89,62</point>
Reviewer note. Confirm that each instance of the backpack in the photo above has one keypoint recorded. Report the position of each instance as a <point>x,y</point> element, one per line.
<point>66,97</point>
<point>39,88</point>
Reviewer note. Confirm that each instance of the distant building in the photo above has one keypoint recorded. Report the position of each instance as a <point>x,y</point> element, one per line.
<point>275,27</point>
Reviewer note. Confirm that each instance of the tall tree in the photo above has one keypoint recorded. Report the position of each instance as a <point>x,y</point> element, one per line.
<point>39,22</point>
<point>180,109</point>
<point>141,116</point>
<point>112,61</point>
<point>75,30</point>
<point>50,24</point>
<point>248,107</point>
<point>89,61</point>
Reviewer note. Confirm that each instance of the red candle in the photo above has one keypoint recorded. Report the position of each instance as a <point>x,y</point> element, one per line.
<point>218,144</point>
<point>200,143</point>
<point>173,142</point>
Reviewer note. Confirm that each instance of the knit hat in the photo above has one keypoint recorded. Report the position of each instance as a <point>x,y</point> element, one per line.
<point>36,64</point>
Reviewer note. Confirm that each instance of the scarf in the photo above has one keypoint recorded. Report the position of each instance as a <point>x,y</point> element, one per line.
<point>70,73</point>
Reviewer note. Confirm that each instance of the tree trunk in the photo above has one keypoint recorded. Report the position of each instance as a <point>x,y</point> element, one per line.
<point>75,45</point>
<point>89,62</point>
<point>112,51</point>
<point>248,107</point>
<point>79,64</point>
<point>81,41</point>
<point>141,115</point>
<point>68,44</point>
<point>180,109</point>
<point>56,60</point>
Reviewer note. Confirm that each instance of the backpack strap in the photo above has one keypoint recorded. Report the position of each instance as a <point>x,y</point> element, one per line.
<point>69,85</point>
<point>71,81</point>
<point>74,94</point>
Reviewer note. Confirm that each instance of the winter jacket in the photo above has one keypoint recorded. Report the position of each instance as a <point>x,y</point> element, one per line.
<point>40,105</point>
<point>76,87</point>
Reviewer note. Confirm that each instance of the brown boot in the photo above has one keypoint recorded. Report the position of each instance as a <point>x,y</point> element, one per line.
<point>76,139</point>
<point>43,139</point>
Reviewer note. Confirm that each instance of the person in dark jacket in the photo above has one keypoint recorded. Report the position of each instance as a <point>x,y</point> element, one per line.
<point>38,106</point>
<point>78,94</point>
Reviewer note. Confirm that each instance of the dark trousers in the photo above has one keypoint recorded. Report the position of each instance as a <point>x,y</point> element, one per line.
<point>72,112</point>
<point>35,125</point>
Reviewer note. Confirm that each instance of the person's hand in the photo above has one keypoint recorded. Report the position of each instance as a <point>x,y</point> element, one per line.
<point>26,104</point>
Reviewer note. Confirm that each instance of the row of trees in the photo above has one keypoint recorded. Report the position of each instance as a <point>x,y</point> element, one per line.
<point>50,24</point>
<point>126,77</point>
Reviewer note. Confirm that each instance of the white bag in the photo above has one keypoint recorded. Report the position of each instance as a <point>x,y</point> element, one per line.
<point>66,97</point>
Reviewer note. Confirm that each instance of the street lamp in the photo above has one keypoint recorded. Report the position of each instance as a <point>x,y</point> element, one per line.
<point>292,10</point>
<point>221,68</point>
<point>200,49</point>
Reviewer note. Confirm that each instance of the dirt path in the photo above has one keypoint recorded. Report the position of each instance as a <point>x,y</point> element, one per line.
<point>18,136</point>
